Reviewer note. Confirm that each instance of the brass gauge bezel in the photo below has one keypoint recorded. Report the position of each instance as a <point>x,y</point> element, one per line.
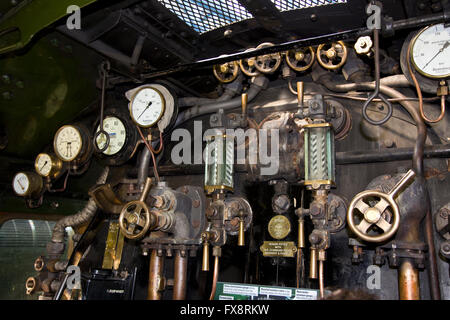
<point>416,67</point>
<point>35,184</point>
<point>79,151</point>
<point>163,109</point>
<point>56,165</point>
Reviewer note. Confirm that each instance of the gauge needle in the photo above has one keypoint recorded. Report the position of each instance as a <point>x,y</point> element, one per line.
<point>18,181</point>
<point>440,51</point>
<point>148,106</point>
<point>45,163</point>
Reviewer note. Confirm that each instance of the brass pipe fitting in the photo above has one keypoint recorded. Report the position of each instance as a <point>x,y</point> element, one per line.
<point>300,95</point>
<point>408,282</point>
<point>156,280</point>
<point>180,275</point>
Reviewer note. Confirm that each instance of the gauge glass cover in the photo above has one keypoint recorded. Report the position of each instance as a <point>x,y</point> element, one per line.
<point>147,107</point>
<point>21,183</point>
<point>43,164</point>
<point>68,143</point>
<point>430,52</point>
<point>117,135</point>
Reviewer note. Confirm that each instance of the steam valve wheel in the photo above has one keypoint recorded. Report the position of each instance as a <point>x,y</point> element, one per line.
<point>301,59</point>
<point>226,72</point>
<point>375,215</point>
<point>134,219</point>
<point>267,63</point>
<point>332,56</point>
<point>248,66</point>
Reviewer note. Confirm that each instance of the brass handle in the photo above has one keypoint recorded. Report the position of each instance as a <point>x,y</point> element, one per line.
<point>205,259</point>
<point>313,264</point>
<point>373,215</point>
<point>244,100</point>
<point>337,49</point>
<point>241,237</point>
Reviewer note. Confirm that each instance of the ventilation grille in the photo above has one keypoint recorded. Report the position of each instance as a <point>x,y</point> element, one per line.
<point>25,233</point>
<point>206,15</point>
<point>286,5</point>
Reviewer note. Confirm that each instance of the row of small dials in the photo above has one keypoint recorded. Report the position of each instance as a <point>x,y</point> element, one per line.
<point>72,144</point>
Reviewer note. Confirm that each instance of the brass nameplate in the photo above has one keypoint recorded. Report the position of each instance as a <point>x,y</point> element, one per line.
<point>278,249</point>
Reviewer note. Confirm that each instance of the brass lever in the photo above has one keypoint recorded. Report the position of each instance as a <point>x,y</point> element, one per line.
<point>313,264</point>
<point>205,259</point>
<point>244,100</point>
<point>241,237</point>
<point>300,93</point>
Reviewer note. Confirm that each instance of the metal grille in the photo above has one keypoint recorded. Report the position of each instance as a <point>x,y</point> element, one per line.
<point>206,15</point>
<point>25,233</point>
<point>286,5</point>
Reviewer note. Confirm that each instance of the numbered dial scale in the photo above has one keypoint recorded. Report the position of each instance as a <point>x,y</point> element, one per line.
<point>117,135</point>
<point>147,106</point>
<point>71,143</point>
<point>48,165</point>
<point>27,184</point>
<point>430,52</point>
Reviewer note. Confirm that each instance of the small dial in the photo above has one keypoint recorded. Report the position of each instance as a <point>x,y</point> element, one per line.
<point>21,184</point>
<point>68,143</point>
<point>47,165</point>
<point>147,107</point>
<point>117,135</point>
<point>430,52</point>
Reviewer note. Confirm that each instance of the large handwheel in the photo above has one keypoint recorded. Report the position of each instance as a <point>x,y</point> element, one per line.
<point>134,219</point>
<point>332,56</point>
<point>375,215</point>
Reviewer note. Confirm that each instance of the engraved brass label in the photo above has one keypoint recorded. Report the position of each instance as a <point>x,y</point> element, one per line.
<point>278,249</point>
<point>279,227</point>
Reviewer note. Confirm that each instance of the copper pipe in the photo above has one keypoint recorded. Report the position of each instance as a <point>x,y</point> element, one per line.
<point>419,92</point>
<point>180,276</point>
<point>313,264</point>
<point>408,282</point>
<point>155,280</point>
<point>215,277</point>
<point>321,280</point>
<point>433,273</point>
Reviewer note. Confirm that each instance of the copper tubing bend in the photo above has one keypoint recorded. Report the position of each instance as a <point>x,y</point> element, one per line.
<point>155,276</point>
<point>180,276</point>
<point>321,280</point>
<point>419,92</point>
<point>215,277</point>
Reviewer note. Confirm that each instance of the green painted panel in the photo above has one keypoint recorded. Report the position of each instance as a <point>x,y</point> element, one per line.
<point>29,17</point>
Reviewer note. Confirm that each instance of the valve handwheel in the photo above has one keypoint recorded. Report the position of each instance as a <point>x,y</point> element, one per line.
<point>135,218</point>
<point>374,215</point>
<point>301,59</point>
<point>332,56</point>
<point>226,72</point>
<point>267,63</point>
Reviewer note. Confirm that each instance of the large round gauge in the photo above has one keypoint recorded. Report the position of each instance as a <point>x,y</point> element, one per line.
<point>70,143</point>
<point>117,135</point>
<point>430,51</point>
<point>147,106</point>
<point>27,184</point>
<point>48,165</point>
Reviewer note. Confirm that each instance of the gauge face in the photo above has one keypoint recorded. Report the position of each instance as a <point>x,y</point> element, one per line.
<point>147,107</point>
<point>43,164</point>
<point>117,135</point>
<point>21,184</point>
<point>430,52</point>
<point>68,143</point>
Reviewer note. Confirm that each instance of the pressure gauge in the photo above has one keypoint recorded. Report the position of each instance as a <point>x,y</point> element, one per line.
<point>147,106</point>
<point>70,143</point>
<point>430,52</point>
<point>48,165</point>
<point>27,184</point>
<point>117,135</point>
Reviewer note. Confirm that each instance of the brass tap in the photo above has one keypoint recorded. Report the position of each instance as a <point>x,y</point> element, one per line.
<point>313,264</point>
<point>300,93</point>
<point>205,260</point>
<point>241,237</point>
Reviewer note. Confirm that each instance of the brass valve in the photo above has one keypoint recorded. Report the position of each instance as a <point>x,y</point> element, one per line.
<point>241,235</point>
<point>206,238</point>
<point>244,100</point>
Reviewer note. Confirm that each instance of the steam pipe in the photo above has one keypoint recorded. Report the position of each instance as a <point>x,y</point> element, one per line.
<point>155,276</point>
<point>79,218</point>
<point>180,276</point>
